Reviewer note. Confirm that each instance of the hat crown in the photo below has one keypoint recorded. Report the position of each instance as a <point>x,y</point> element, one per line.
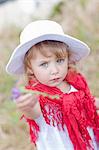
<point>40,28</point>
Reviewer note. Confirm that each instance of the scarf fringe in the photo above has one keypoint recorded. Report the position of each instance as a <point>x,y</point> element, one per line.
<point>75,110</point>
<point>34,129</point>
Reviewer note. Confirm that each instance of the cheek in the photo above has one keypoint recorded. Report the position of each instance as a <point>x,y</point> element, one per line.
<point>64,70</point>
<point>40,75</point>
<point>42,79</point>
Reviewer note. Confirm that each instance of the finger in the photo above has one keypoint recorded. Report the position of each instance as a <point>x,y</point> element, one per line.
<point>27,104</point>
<point>25,109</point>
<point>31,101</point>
<point>23,98</point>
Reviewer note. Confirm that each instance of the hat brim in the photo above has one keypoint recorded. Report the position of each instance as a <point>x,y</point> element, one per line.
<point>78,48</point>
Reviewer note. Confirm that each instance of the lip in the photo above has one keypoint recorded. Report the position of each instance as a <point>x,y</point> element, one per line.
<point>55,79</point>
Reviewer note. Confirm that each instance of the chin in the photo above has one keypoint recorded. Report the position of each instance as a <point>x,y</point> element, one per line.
<point>55,84</point>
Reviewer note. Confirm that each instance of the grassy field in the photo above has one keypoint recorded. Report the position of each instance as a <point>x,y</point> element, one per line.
<point>82,23</point>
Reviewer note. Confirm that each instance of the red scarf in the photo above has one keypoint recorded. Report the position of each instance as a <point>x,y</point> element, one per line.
<point>76,110</point>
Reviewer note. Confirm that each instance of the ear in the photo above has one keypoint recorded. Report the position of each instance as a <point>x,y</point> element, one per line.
<point>31,75</point>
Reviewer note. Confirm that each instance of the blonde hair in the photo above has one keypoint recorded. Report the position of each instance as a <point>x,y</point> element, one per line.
<point>59,49</point>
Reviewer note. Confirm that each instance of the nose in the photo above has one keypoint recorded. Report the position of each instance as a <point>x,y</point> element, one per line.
<point>54,70</point>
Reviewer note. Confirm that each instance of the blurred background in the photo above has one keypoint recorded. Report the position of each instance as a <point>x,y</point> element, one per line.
<point>79,18</point>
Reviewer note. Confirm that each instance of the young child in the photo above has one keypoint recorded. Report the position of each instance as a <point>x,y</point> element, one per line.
<point>61,112</point>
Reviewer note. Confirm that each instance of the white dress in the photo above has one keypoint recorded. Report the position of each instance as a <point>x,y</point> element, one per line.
<point>50,138</point>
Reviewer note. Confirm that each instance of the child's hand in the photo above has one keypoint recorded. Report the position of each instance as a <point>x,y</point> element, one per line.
<point>28,104</point>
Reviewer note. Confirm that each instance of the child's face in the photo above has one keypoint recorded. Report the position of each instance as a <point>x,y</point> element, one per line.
<point>50,71</point>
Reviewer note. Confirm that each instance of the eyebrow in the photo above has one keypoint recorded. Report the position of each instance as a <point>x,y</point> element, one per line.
<point>42,61</point>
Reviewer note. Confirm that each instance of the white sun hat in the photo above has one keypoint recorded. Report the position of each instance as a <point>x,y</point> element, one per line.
<point>42,30</point>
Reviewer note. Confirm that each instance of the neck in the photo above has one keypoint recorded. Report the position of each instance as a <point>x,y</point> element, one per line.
<point>64,87</point>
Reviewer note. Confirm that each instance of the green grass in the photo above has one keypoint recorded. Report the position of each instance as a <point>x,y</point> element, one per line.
<point>6,84</point>
<point>83,3</point>
<point>56,9</point>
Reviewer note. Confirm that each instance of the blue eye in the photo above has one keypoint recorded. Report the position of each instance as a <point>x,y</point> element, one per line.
<point>45,64</point>
<point>60,61</point>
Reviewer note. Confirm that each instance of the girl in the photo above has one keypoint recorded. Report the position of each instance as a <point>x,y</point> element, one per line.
<point>64,114</point>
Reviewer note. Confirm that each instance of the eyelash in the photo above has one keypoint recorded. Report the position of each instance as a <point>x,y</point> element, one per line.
<point>58,61</point>
<point>44,64</point>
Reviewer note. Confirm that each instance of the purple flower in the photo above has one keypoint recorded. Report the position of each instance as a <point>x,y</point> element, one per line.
<point>15,93</point>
